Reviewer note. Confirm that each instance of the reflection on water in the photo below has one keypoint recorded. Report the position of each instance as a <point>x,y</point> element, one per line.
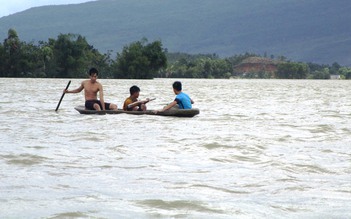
<point>258,149</point>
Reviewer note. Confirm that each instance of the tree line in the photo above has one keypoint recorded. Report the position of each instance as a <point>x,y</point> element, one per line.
<point>70,56</point>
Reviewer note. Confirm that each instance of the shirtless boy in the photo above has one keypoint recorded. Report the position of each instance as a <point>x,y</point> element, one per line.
<point>91,88</point>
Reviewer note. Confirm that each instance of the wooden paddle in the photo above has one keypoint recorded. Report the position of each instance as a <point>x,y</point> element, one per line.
<point>63,94</point>
<point>152,99</point>
<point>139,103</point>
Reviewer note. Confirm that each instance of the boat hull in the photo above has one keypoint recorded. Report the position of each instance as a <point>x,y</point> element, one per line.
<point>172,112</point>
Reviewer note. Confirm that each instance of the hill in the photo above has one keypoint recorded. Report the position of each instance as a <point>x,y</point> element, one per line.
<point>310,31</point>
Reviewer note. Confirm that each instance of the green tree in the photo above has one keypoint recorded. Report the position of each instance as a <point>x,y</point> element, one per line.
<point>30,63</point>
<point>46,55</point>
<point>321,74</point>
<point>334,68</point>
<point>73,55</point>
<point>140,60</point>
<point>345,72</point>
<point>103,62</point>
<point>198,66</point>
<point>18,59</point>
<point>12,54</point>
<point>2,61</point>
<point>292,70</point>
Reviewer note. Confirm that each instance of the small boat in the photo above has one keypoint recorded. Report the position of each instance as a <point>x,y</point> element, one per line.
<point>172,112</point>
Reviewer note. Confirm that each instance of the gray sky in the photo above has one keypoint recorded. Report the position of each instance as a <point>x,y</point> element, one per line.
<point>8,7</point>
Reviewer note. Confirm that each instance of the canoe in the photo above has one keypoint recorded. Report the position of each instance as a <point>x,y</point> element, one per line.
<point>172,112</point>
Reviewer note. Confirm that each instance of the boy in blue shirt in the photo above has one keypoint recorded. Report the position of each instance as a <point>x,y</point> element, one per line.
<point>182,100</point>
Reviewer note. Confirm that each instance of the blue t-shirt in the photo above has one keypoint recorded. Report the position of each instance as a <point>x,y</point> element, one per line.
<point>183,101</point>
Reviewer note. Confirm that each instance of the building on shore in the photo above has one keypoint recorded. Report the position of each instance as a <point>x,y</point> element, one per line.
<point>257,65</point>
<point>335,77</point>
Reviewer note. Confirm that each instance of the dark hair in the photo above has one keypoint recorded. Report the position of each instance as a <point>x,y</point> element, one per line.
<point>133,89</point>
<point>93,71</point>
<point>177,85</point>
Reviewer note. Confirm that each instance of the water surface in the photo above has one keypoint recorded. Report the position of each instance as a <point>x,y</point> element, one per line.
<point>258,149</point>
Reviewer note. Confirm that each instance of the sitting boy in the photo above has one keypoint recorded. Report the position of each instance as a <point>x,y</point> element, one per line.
<point>132,103</point>
<point>181,101</point>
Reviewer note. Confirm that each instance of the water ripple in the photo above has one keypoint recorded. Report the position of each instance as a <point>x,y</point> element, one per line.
<point>24,159</point>
<point>183,205</point>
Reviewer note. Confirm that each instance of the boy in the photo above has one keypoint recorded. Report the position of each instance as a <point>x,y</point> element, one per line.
<point>91,88</point>
<point>132,103</point>
<point>182,100</point>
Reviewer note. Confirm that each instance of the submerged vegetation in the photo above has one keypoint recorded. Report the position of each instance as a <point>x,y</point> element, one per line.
<point>70,55</point>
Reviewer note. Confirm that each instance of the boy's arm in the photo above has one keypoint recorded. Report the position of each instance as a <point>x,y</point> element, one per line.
<point>79,89</point>
<point>169,106</point>
<point>101,93</point>
<point>136,103</point>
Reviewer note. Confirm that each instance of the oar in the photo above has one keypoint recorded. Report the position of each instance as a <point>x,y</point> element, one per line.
<point>63,94</point>
<point>152,99</point>
<point>139,102</point>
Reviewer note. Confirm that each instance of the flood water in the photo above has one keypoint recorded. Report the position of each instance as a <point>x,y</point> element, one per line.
<point>258,149</point>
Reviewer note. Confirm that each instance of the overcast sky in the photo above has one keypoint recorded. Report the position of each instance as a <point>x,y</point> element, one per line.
<point>8,7</point>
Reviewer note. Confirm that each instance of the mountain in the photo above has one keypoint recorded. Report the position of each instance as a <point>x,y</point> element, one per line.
<point>311,31</point>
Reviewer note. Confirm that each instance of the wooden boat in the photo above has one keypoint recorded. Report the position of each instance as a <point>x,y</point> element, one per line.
<point>172,112</point>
